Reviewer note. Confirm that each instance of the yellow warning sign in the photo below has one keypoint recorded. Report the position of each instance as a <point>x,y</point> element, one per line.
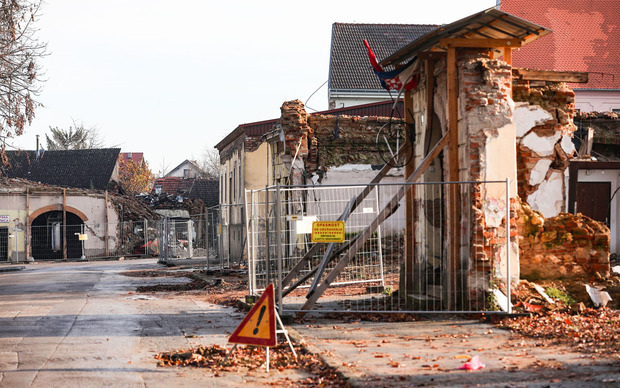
<point>259,325</point>
<point>328,231</point>
<point>83,236</point>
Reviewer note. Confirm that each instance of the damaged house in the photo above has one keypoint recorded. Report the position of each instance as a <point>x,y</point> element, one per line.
<point>486,164</point>
<point>65,205</point>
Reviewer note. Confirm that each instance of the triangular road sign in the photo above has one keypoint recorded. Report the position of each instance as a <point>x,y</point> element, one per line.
<point>259,325</point>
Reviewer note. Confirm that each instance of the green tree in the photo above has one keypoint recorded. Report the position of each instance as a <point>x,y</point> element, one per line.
<point>20,52</point>
<point>76,138</point>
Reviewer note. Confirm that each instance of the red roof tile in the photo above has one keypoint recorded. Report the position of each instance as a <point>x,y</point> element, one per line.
<point>586,37</point>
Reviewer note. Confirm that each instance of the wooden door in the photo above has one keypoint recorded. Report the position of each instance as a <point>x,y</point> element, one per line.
<point>593,200</point>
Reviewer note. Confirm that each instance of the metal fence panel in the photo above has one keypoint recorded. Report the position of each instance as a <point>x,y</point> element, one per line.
<point>380,277</point>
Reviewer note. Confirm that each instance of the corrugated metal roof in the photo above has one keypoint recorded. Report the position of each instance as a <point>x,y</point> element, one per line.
<point>349,66</point>
<point>490,24</point>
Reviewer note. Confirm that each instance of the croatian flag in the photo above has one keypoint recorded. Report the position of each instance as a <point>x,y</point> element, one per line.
<point>394,79</point>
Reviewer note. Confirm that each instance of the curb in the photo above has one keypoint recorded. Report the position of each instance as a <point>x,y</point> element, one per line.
<point>12,269</point>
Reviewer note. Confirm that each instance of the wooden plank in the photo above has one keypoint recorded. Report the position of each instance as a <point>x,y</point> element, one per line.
<point>387,211</point>
<point>431,55</point>
<point>548,75</point>
<point>453,176</point>
<point>479,43</point>
<point>107,230</point>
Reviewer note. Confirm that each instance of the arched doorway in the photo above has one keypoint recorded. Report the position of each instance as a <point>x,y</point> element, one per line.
<point>47,236</point>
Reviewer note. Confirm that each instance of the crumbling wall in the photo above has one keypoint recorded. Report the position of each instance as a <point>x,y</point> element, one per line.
<point>488,138</point>
<point>544,120</point>
<point>324,141</point>
<point>606,131</point>
<point>564,246</point>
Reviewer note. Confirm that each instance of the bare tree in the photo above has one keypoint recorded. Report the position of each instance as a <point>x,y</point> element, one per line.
<point>210,163</point>
<point>78,137</point>
<point>19,70</point>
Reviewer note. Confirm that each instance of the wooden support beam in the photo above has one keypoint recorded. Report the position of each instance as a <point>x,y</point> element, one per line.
<point>508,55</point>
<point>453,176</point>
<point>431,55</point>
<point>28,223</point>
<point>64,224</point>
<point>107,232</point>
<point>548,75</point>
<point>479,43</point>
<point>410,215</point>
<point>387,211</point>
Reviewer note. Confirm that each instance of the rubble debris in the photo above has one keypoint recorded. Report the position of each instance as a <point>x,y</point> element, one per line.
<point>599,298</point>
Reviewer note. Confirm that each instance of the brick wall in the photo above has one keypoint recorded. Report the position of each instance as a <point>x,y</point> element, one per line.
<point>330,141</point>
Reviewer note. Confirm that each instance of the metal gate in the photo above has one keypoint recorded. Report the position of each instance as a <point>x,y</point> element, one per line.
<point>374,270</point>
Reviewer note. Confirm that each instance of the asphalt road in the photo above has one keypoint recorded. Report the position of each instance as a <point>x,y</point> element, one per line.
<point>82,325</point>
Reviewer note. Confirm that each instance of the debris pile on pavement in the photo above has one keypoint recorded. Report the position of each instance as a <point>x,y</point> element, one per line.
<point>247,358</point>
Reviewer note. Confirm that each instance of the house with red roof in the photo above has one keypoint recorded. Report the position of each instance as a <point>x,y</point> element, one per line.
<point>585,38</point>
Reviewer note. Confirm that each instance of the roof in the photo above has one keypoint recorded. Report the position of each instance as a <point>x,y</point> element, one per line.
<point>259,128</point>
<point>349,66</point>
<point>206,189</point>
<point>185,162</point>
<point>85,169</point>
<point>488,24</point>
<point>173,184</point>
<point>586,37</point>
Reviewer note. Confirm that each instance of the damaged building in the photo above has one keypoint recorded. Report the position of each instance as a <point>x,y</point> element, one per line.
<point>486,163</point>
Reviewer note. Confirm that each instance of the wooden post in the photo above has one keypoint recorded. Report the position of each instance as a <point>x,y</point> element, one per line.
<point>64,224</point>
<point>508,55</point>
<point>28,223</point>
<point>409,200</point>
<point>453,170</point>
<point>106,227</point>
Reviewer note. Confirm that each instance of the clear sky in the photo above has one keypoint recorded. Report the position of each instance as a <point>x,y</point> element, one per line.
<point>172,78</point>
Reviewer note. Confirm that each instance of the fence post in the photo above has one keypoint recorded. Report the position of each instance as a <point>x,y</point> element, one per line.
<point>508,231</point>
<point>267,247</point>
<point>190,238</point>
<point>279,246</point>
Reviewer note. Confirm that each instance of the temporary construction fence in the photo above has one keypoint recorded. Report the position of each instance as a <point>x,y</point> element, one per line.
<point>373,270</point>
<point>166,238</point>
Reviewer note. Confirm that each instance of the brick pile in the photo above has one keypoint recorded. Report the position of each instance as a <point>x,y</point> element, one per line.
<point>565,246</point>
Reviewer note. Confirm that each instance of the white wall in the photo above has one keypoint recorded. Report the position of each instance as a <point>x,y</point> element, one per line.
<point>612,176</point>
<point>597,100</point>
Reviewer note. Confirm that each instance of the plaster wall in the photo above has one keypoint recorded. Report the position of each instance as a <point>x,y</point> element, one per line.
<point>597,100</point>
<point>612,176</point>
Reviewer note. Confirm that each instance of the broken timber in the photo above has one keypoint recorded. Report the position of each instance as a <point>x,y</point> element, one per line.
<point>548,75</point>
<point>387,211</point>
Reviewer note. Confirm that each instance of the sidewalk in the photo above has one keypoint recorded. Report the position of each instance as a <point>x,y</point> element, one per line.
<point>430,353</point>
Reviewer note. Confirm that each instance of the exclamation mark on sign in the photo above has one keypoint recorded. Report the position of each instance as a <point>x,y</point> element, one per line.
<point>260,317</point>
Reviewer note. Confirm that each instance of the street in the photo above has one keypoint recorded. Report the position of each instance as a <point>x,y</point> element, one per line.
<point>82,325</point>
<point>98,324</point>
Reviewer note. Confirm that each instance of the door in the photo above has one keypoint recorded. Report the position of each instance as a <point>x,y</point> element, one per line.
<point>593,200</point>
<point>4,244</point>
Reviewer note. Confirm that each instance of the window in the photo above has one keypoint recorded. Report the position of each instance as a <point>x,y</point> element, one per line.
<point>186,173</point>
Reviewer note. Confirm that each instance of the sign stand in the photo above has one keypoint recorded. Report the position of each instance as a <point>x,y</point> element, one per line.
<point>258,328</point>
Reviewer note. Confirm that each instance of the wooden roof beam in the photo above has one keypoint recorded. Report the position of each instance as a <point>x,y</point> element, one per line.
<point>549,75</point>
<point>480,43</point>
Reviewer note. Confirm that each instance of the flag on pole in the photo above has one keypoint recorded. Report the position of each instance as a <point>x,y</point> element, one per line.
<point>394,79</point>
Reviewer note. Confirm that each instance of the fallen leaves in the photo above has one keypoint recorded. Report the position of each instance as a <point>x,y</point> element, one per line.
<point>596,330</point>
<point>247,358</point>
